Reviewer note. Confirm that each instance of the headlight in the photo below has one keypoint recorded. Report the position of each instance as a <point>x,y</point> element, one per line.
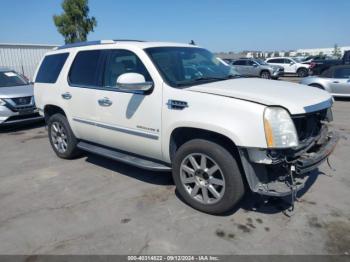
<point>279,128</point>
<point>2,102</point>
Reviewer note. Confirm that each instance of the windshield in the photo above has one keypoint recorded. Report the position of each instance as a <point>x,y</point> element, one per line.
<point>260,62</point>
<point>187,66</point>
<point>296,59</point>
<point>11,78</point>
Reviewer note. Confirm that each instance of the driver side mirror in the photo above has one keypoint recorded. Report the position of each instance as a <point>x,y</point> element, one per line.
<point>291,63</point>
<point>133,82</point>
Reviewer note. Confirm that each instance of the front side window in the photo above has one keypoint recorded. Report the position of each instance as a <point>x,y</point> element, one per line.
<point>120,62</point>
<point>251,63</point>
<point>187,66</point>
<point>50,68</point>
<point>342,72</point>
<point>11,78</point>
<point>85,68</point>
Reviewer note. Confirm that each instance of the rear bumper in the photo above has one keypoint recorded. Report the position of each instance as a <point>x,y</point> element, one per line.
<point>281,175</point>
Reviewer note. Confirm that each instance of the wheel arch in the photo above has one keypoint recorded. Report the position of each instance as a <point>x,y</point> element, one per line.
<point>183,134</point>
<point>50,110</point>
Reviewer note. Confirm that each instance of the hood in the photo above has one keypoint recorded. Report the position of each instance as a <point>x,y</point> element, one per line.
<point>16,91</point>
<point>298,99</point>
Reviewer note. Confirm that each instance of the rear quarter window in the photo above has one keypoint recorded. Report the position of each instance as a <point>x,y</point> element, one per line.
<point>50,68</point>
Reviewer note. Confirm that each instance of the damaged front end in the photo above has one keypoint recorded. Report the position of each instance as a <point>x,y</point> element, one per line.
<point>283,172</point>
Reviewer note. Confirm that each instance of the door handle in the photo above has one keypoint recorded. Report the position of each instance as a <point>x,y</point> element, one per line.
<point>335,82</point>
<point>66,96</point>
<point>105,102</point>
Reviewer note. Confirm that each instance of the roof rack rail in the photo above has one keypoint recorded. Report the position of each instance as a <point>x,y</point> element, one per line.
<point>128,40</point>
<point>99,42</point>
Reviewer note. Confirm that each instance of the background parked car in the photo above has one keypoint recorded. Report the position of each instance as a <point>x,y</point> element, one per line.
<point>335,80</point>
<point>318,66</point>
<point>16,99</point>
<point>290,65</point>
<point>258,68</point>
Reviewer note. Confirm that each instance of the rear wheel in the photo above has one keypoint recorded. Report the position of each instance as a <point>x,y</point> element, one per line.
<point>61,137</point>
<point>207,176</point>
<point>265,74</point>
<point>302,72</point>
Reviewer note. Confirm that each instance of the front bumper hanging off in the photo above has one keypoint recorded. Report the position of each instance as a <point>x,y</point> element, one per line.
<point>286,174</point>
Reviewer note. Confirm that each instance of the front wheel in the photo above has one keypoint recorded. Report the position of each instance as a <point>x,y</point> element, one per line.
<point>207,176</point>
<point>302,72</point>
<point>265,75</point>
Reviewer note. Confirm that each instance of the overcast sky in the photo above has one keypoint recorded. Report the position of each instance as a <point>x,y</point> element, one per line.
<point>220,25</point>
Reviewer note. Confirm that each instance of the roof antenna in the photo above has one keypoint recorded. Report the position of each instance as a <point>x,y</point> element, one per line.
<point>192,42</point>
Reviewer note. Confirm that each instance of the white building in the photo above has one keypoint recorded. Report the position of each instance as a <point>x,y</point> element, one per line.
<point>23,58</point>
<point>324,51</point>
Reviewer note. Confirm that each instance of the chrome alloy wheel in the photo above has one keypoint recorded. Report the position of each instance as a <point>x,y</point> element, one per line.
<point>202,178</point>
<point>59,137</point>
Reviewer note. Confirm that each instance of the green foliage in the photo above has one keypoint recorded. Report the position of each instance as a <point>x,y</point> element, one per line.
<point>337,51</point>
<point>75,24</point>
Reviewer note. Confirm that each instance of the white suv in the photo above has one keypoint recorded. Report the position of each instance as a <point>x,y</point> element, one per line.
<point>290,65</point>
<point>166,106</point>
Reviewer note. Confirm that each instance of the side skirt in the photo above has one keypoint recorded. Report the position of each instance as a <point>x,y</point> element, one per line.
<point>123,157</point>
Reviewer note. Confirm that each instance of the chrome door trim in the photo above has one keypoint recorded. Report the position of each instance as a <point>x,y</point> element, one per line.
<point>118,129</point>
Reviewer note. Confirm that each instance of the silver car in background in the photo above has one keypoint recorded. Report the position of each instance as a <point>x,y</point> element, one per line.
<point>336,80</point>
<point>16,99</point>
<point>257,68</point>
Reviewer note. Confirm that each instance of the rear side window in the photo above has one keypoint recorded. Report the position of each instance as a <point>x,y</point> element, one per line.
<point>239,62</point>
<point>50,68</point>
<point>276,61</point>
<point>85,68</point>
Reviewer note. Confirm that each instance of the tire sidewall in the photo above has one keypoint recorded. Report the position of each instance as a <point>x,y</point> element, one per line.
<point>302,72</point>
<point>234,187</point>
<point>71,139</point>
<point>267,73</point>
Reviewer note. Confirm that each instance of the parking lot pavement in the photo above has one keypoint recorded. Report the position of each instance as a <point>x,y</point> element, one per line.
<point>96,206</point>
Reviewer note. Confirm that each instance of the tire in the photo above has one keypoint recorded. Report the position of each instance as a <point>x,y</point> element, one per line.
<point>302,72</point>
<point>265,74</point>
<point>318,86</point>
<point>221,173</point>
<point>61,137</point>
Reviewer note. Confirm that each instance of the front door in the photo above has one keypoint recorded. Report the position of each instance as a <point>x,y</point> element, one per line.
<point>129,121</point>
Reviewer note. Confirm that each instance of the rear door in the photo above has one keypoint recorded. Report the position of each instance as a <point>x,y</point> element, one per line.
<point>80,92</point>
<point>340,84</point>
<point>277,61</point>
<point>240,66</point>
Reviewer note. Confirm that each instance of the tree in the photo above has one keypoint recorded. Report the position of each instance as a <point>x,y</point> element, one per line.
<point>75,24</point>
<point>336,51</point>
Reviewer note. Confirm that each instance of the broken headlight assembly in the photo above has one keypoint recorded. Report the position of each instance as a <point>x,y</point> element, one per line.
<point>279,128</point>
